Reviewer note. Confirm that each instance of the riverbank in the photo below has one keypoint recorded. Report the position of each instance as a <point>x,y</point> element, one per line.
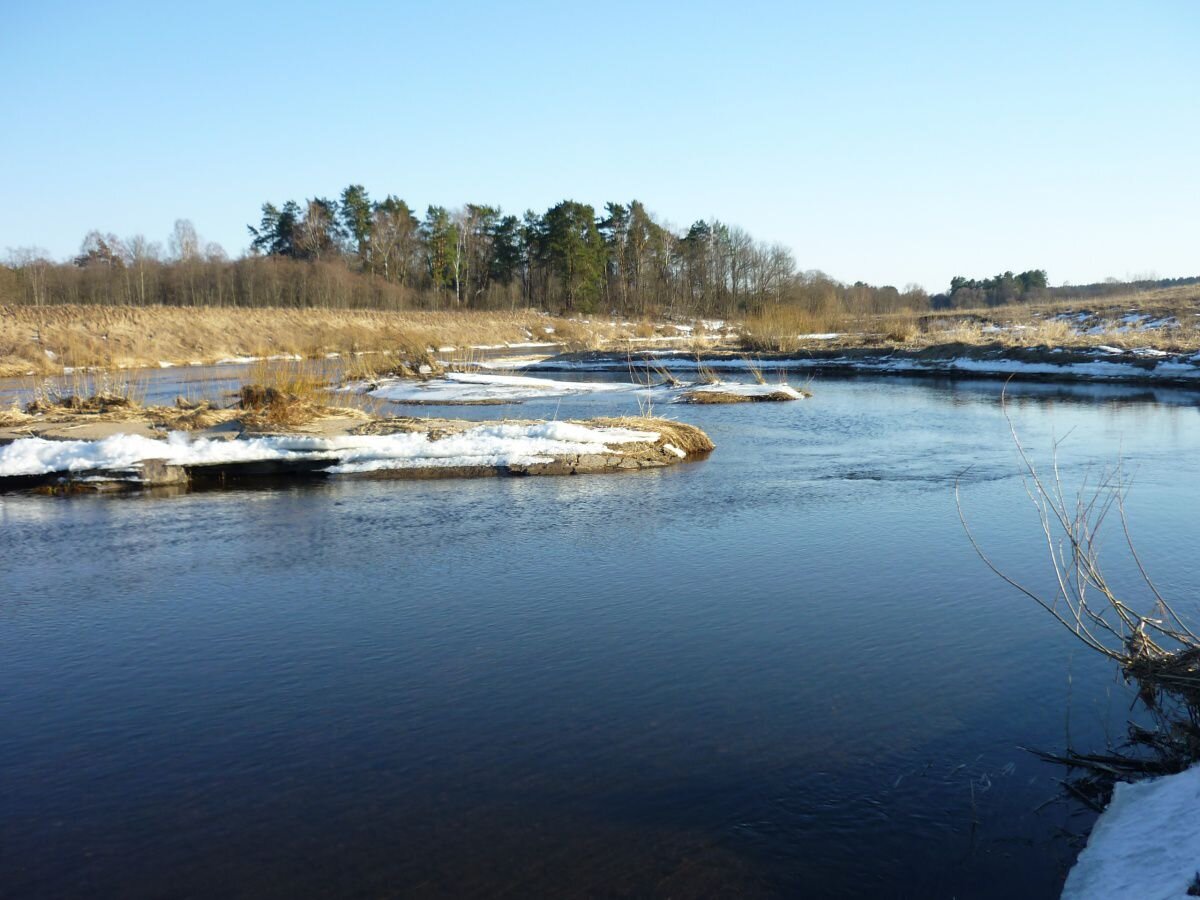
<point>45,340</point>
<point>123,447</point>
<point>996,360</point>
<point>1152,336</point>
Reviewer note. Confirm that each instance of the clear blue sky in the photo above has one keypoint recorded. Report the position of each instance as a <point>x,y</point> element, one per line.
<point>892,142</point>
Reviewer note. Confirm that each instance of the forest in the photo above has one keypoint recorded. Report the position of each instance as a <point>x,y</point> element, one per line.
<point>353,252</point>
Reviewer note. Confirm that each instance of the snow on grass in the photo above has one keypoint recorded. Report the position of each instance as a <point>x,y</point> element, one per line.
<point>518,345</point>
<point>1145,845</point>
<point>743,389</point>
<point>487,445</point>
<point>484,445</point>
<point>486,387</point>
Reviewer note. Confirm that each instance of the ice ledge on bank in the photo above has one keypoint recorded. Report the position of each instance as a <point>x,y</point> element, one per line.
<point>1140,365</point>
<point>1145,846</point>
<point>402,446</point>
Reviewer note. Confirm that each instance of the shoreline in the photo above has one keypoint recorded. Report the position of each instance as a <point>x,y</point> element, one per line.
<point>145,450</point>
<point>950,361</point>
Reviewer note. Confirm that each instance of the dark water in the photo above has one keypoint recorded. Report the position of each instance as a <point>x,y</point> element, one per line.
<point>778,672</point>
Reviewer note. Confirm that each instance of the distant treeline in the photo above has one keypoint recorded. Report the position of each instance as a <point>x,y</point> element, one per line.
<point>354,252</point>
<point>1032,286</point>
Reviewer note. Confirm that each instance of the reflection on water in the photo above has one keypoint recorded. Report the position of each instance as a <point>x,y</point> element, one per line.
<point>779,672</point>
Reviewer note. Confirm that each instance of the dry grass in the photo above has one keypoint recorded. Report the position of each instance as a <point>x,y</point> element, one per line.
<point>1050,324</point>
<point>189,417</point>
<point>12,417</point>
<point>688,438</point>
<point>285,392</point>
<point>755,370</point>
<point>704,374</point>
<point>782,328</point>
<point>42,341</point>
<point>707,398</point>
<point>87,391</point>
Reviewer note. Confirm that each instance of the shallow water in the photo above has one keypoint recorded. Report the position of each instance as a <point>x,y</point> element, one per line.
<point>777,672</point>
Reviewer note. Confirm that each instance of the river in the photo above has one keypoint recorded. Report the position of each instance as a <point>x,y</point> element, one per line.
<point>778,672</point>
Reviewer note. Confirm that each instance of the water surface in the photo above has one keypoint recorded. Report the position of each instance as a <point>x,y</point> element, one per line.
<point>777,672</point>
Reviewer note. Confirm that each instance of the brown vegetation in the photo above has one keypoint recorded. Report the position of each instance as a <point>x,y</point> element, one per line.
<point>1025,325</point>
<point>43,340</point>
<point>703,397</point>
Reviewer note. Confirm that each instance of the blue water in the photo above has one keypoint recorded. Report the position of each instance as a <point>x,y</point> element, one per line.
<point>777,672</point>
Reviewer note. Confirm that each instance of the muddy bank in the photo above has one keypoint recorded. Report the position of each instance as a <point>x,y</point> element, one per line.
<point>143,449</point>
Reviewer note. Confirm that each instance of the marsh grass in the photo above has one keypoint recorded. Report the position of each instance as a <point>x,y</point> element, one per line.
<point>286,392</point>
<point>755,370</point>
<point>785,328</point>
<point>90,390</point>
<point>1049,324</point>
<point>704,374</point>
<point>43,340</point>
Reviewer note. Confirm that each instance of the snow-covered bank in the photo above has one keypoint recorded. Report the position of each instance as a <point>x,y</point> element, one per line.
<point>1139,365</point>
<point>738,391</point>
<point>464,388</point>
<point>480,387</point>
<point>406,447</point>
<point>1146,845</point>
<point>484,445</point>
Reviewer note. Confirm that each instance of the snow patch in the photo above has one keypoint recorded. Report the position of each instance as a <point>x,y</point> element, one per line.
<point>484,445</point>
<point>481,387</point>
<point>1145,845</point>
<point>741,389</point>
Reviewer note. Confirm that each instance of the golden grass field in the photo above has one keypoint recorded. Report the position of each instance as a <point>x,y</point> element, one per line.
<point>42,341</point>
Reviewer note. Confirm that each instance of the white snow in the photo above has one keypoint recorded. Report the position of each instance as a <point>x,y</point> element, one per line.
<point>1145,845</point>
<point>498,444</point>
<point>246,360</point>
<point>477,387</point>
<point>516,345</point>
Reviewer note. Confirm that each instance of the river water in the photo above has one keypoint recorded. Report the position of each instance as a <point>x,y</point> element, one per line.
<point>781,671</point>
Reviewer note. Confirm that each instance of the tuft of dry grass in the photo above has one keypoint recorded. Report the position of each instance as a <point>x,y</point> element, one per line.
<point>755,370</point>
<point>87,391</point>
<point>900,328</point>
<point>14,416</point>
<point>704,374</point>
<point>706,398</point>
<point>688,438</point>
<point>785,328</point>
<point>284,392</point>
